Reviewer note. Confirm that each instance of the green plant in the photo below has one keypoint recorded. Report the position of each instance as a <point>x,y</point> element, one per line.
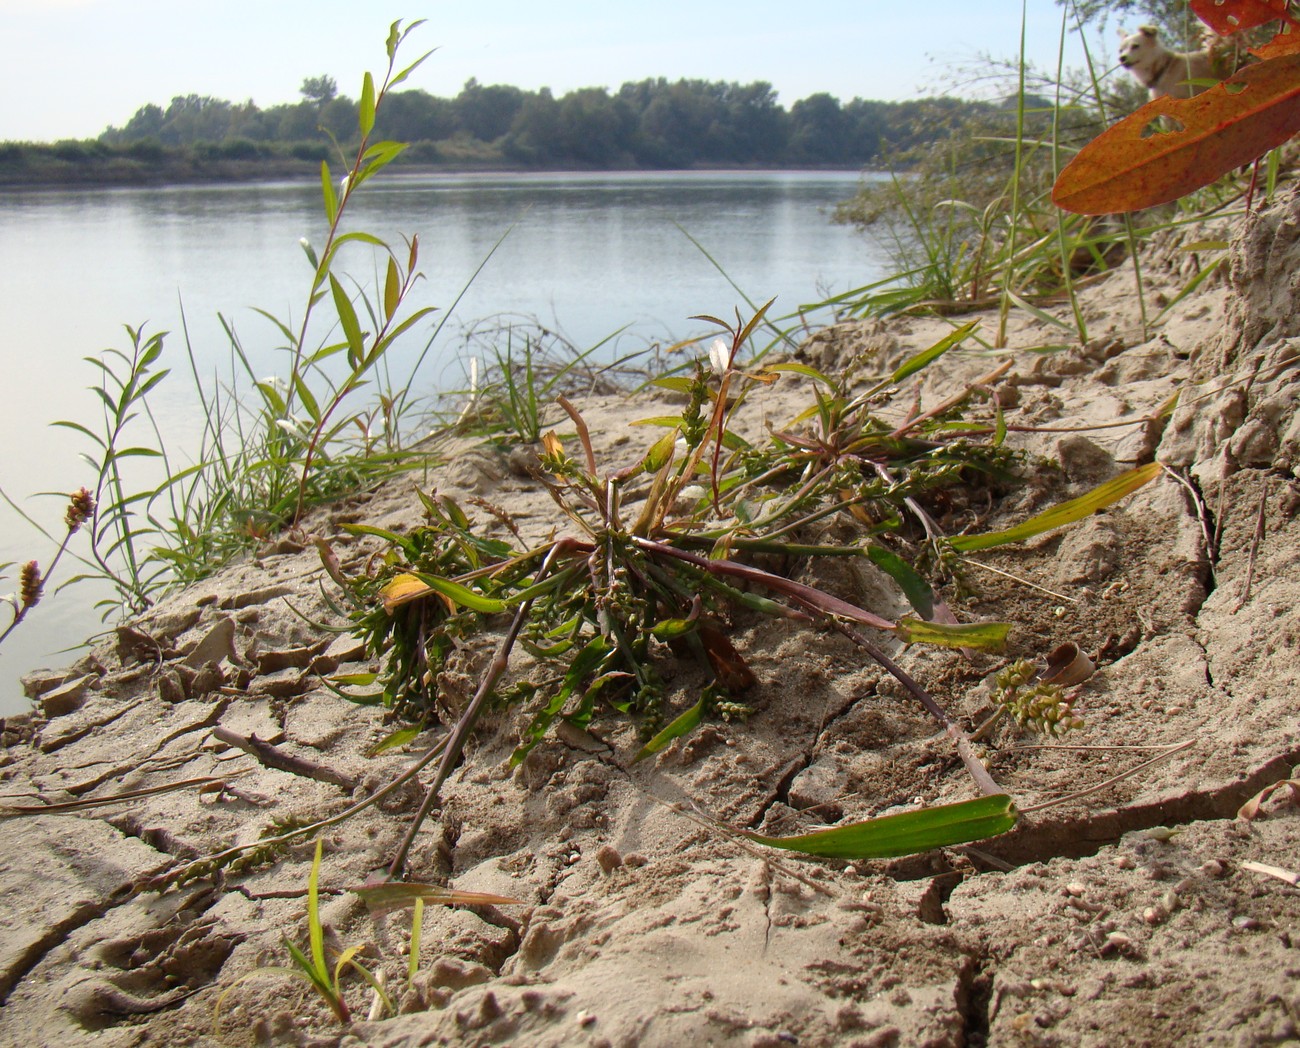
<point>31,580</point>
<point>269,447</point>
<point>310,965</point>
<point>658,557</point>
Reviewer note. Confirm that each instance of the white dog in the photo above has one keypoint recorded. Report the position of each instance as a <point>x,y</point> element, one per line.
<point>1161,71</point>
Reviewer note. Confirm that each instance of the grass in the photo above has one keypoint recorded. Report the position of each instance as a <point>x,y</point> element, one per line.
<point>660,558</point>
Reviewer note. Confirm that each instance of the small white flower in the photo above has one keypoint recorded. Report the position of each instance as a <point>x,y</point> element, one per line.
<point>719,356</point>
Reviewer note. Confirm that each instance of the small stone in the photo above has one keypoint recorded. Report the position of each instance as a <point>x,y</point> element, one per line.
<point>66,698</point>
<point>1245,924</point>
<point>1123,862</point>
<point>1075,888</point>
<point>1214,868</point>
<point>585,1019</point>
<point>1153,915</point>
<point>635,859</point>
<point>608,858</point>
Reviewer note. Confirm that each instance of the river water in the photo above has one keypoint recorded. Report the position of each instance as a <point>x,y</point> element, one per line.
<point>584,254</point>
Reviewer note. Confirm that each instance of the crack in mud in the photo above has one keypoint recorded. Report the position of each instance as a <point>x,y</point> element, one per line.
<point>58,933</point>
<point>781,791</point>
<point>975,1000</point>
<point>1080,837</point>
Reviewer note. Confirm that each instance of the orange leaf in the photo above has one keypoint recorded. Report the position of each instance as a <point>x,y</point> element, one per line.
<point>1226,17</point>
<point>1135,165</point>
<point>1287,42</point>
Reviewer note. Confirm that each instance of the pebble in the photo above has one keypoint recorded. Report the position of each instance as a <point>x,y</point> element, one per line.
<point>1245,924</point>
<point>1154,915</point>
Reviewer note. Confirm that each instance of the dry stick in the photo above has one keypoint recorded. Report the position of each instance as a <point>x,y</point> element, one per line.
<point>1023,581</point>
<point>1254,549</point>
<point>456,740</point>
<point>955,400</point>
<point>62,807</point>
<point>332,820</point>
<point>1202,517</point>
<point>270,756</point>
<point>964,749</point>
<point>1170,752</point>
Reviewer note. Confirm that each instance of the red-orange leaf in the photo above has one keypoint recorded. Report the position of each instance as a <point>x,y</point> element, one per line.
<point>1134,165</point>
<point>1226,17</point>
<point>1287,42</point>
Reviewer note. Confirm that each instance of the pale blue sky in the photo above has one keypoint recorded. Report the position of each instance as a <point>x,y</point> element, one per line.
<point>69,68</point>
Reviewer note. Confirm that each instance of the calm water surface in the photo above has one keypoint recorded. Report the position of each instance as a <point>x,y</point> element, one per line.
<point>584,254</point>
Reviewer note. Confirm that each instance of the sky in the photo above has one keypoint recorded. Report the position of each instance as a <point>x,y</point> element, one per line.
<point>71,68</point>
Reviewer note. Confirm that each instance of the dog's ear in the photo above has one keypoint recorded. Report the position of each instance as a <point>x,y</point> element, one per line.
<point>1149,30</point>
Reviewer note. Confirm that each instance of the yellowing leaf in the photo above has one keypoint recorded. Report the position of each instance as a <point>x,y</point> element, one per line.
<point>402,590</point>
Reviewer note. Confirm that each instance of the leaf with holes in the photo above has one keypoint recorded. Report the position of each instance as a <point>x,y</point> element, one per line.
<point>1226,17</point>
<point>1138,163</point>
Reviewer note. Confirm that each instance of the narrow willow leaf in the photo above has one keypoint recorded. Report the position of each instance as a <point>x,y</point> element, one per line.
<point>366,107</point>
<point>1066,513</point>
<point>906,833</point>
<point>331,204</point>
<point>927,357</point>
<point>398,895</point>
<point>675,383</point>
<point>983,636</point>
<point>659,420</point>
<point>392,289</point>
<point>348,320</point>
<point>681,725</point>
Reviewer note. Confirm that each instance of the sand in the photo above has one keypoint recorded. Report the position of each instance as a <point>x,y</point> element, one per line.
<point>1129,916</point>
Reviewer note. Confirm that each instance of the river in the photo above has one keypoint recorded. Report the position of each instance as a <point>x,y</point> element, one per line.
<point>584,254</point>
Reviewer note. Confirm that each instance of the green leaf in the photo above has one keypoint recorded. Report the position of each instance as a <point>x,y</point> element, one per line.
<point>910,581</point>
<point>366,107</point>
<point>394,739</point>
<point>349,322</point>
<point>315,933</point>
<point>331,204</point>
<point>463,595</point>
<point>1066,513</point>
<point>671,629</point>
<point>798,369</point>
<point>927,357</point>
<point>681,725</point>
<point>906,833</point>
<point>392,289</point>
<point>983,636</point>
<point>660,453</point>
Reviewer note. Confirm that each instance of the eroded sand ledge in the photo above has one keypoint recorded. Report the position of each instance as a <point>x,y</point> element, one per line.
<point>643,928</point>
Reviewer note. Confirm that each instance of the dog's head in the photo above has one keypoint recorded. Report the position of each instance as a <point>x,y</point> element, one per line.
<point>1138,50</point>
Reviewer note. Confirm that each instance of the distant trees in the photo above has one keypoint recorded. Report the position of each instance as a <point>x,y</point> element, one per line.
<point>653,123</point>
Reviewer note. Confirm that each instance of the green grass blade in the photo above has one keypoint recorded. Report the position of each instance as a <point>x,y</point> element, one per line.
<point>315,932</point>
<point>463,595</point>
<point>906,833</point>
<point>1066,513</point>
<point>681,725</point>
<point>927,357</point>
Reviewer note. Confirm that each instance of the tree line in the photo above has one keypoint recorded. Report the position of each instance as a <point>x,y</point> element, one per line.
<point>653,123</point>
